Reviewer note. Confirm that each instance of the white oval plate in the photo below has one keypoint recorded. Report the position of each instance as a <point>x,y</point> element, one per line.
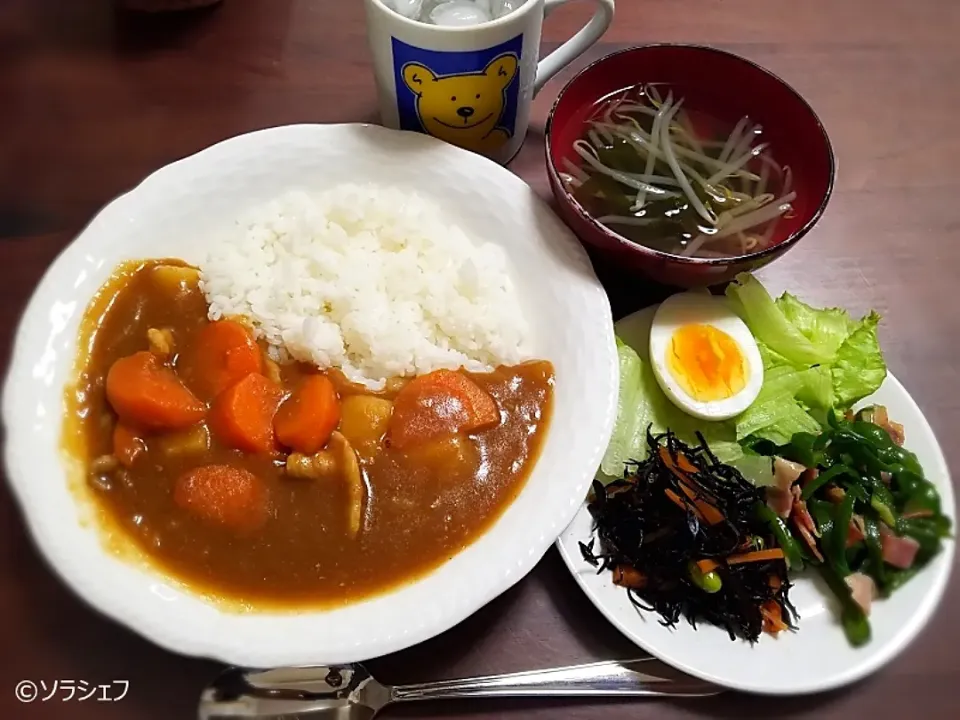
<point>172,213</point>
<point>816,657</point>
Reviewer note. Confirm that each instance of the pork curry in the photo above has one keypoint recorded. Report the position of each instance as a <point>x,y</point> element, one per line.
<point>280,484</point>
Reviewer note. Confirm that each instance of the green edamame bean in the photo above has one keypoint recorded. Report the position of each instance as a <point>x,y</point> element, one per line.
<point>710,582</point>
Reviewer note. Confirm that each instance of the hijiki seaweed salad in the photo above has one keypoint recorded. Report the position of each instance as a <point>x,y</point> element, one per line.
<point>738,461</point>
<point>682,532</point>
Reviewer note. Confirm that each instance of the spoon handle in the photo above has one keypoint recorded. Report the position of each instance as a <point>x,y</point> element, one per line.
<point>624,678</point>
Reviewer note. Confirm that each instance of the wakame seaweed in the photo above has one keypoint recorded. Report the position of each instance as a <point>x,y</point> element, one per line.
<point>649,522</point>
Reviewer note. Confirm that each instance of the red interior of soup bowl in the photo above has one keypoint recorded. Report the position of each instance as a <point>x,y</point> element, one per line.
<point>715,83</point>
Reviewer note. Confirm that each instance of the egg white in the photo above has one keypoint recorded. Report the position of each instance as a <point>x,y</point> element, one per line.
<point>700,308</point>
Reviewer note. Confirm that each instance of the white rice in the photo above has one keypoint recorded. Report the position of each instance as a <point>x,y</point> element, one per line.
<point>372,280</point>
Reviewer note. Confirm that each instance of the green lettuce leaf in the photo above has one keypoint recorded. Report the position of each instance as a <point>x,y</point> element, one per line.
<point>794,419</point>
<point>776,420</point>
<point>781,380</point>
<point>631,407</point>
<point>826,328</point>
<point>771,358</point>
<point>785,390</point>
<point>764,412</point>
<point>813,359</point>
<point>817,390</point>
<point>758,469</point>
<point>860,368</point>
<point>727,451</point>
<point>769,325</point>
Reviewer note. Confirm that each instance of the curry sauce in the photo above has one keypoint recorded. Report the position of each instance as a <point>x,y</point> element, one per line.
<point>421,503</point>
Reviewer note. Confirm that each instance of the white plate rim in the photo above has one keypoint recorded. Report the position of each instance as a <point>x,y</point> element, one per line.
<point>228,642</point>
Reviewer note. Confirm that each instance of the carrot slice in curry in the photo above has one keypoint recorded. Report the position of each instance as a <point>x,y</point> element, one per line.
<point>443,402</point>
<point>146,393</point>
<point>224,495</point>
<point>225,353</point>
<point>127,445</point>
<point>242,415</point>
<point>306,419</point>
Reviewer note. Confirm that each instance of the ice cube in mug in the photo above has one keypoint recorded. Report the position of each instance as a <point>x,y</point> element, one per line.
<point>459,13</point>
<point>408,8</point>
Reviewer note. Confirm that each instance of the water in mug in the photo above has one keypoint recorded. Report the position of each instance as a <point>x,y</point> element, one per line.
<point>454,13</point>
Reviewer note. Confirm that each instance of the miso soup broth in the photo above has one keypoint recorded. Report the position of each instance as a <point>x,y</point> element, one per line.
<point>675,179</point>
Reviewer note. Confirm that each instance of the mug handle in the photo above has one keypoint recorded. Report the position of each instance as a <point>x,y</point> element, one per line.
<point>575,46</point>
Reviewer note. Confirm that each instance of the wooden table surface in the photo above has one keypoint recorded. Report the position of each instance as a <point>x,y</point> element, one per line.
<point>91,102</point>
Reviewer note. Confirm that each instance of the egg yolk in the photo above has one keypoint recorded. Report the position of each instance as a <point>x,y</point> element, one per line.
<point>706,363</point>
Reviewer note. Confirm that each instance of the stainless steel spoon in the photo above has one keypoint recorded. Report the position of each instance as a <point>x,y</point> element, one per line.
<point>349,692</point>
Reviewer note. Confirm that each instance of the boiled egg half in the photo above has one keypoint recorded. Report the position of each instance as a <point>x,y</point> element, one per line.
<point>704,356</point>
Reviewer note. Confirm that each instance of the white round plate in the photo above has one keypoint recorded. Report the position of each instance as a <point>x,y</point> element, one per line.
<point>172,214</point>
<point>817,656</point>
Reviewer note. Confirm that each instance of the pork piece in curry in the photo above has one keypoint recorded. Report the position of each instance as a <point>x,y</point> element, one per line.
<point>277,484</point>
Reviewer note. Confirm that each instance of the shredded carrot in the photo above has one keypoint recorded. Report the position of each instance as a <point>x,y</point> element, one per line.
<point>225,353</point>
<point>443,402</point>
<point>127,445</point>
<point>242,415</point>
<point>306,419</point>
<point>627,576</point>
<point>707,565</point>
<point>146,393</point>
<point>683,462</point>
<point>772,618</point>
<point>757,556</point>
<point>709,512</point>
<point>678,501</point>
<point>680,470</point>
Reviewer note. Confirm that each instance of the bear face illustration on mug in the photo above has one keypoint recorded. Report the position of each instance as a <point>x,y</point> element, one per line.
<point>468,99</point>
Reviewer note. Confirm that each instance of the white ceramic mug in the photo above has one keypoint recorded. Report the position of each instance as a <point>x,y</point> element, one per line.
<point>471,86</point>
